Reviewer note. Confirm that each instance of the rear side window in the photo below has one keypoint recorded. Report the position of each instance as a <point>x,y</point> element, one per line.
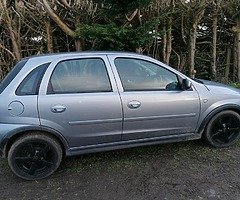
<point>30,84</point>
<point>79,76</point>
<point>7,80</point>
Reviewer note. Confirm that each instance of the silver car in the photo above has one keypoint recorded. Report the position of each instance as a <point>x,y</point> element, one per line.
<point>73,103</point>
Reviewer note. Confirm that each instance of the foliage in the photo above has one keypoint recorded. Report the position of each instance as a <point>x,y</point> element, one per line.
<point>118,7</point>
<point>236,85</point>
<point>113,37</point>
<point>151,27</point>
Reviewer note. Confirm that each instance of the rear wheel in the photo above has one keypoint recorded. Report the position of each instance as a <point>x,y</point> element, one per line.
<point>34,156</point>
<point>223,129</point>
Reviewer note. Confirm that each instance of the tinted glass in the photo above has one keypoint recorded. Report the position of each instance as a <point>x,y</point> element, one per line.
<point>30,84</point>
<point>12,74</point>
<point>81,75</point>
<point>140,75</point>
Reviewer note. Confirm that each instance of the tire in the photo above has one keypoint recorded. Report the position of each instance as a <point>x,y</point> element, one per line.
<point>223,130</point>
<point>34,156</point>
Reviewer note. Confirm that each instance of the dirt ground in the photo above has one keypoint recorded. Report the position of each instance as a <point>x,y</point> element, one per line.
<point>187,170</point>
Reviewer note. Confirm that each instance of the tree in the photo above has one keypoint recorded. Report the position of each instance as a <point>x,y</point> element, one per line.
<point>193,12</point>
<point>232,9</point>
<point>191,35</point>
<point>12,22</point>
<point>216,7</point>
<point>76,11</point>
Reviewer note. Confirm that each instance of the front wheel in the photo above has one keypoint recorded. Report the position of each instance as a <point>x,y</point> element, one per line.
<point>34,156</point>
<point>223,129</point>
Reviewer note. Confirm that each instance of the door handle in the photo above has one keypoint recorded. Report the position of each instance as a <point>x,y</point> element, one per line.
<point>58,109</point>
<point>134,104</point>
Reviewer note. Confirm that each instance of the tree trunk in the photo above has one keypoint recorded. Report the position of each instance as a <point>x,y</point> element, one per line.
<point>235,54</point>
<point>78,45</point>
<point>57,20</point>
<point>236,69</point>
<point>192,42</point>
<point>164,44</point>
<point>169,40</point>
<point>191,50</point>
<point>183,60</point>
<point>139,50</point>
<point>78,41</point>
<point>49,36</point>
<point>228,63</point>
<point>15,41</point>
<point>12,29</point>
<point>238,48</point>
<point>214,46</point>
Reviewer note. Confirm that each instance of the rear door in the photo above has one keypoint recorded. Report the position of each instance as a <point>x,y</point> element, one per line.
<point>79,99</point>
<point>153,103</point>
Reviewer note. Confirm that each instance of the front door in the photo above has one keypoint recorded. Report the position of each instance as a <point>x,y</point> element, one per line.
<point>81,101</point>
<point>154,104</point>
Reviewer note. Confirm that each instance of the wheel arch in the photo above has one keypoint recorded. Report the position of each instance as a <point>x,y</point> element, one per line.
<point>233,107</point>
<point>14,135</point>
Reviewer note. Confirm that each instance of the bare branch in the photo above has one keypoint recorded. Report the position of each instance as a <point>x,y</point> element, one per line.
<point>65,3</point>
<point>7,50</point>
<point>183,4</point>
<point>57,20</point>
<point>182,30</point>
<point>129,19</point>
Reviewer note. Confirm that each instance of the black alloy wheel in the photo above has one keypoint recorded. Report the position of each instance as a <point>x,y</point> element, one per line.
<point>223,129</point>
<point>34,156</point>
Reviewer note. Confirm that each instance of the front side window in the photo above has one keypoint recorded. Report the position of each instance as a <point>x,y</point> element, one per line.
<point>140,75</point>
<point>79,76</point>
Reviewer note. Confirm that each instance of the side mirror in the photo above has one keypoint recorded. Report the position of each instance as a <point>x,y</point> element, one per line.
<point>186,84</point>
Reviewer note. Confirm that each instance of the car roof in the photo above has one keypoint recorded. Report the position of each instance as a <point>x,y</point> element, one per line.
<point>63,54</point>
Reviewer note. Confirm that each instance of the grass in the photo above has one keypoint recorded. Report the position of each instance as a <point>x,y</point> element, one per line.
<point>196,154</point>
<point>236,85</point>
<point>128,158</point>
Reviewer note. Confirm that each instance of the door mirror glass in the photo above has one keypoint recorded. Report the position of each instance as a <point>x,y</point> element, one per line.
<point>186,84</point>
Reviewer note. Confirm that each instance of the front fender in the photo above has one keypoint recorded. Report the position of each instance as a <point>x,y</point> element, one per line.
<point>213,112</point>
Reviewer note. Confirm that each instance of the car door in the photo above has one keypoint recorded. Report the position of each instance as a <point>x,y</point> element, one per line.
<point>154,105</point>
<point>79,99</point>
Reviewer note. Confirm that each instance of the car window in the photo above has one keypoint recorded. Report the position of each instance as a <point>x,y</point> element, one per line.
<point>79,76</point>
<point>30,84</point>
<point>7,80</point>
<point>140,75</point>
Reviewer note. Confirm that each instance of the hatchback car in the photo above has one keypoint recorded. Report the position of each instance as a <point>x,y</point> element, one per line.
<point>73,103</point>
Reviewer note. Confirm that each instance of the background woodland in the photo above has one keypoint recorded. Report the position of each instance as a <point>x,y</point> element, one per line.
<point>198,37</point>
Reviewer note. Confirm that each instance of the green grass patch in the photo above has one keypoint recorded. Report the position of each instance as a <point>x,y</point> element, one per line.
<point>236,85</point>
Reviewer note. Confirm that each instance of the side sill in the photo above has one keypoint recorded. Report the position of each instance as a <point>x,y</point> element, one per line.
<point>131,143</point>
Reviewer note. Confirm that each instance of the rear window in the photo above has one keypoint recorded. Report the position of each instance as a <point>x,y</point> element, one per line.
<point>11,75</point>
<point>30,84</point>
